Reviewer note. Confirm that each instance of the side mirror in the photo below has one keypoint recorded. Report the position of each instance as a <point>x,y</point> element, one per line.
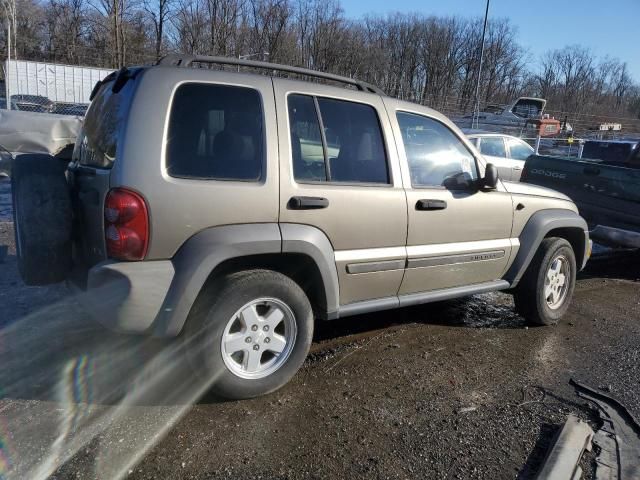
<point>490,179</point>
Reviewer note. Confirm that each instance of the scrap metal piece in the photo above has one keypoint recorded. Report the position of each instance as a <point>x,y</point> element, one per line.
<point>619,443</point>
<point>562,460</point>
<point>32,132</point>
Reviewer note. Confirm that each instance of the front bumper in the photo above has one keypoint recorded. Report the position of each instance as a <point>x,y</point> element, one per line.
<point>127,296</point>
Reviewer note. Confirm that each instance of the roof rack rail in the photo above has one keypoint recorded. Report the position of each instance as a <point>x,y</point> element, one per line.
<point>179,60</point>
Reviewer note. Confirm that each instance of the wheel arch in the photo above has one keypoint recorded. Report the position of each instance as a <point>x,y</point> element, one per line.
<point>544,224</point>
<point>301,252</point>
<point>299,267</point>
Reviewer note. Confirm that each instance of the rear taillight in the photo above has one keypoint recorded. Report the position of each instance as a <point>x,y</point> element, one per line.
<point>126,225</point>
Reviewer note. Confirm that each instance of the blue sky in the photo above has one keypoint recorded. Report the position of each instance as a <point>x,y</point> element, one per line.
<point>607,27</point>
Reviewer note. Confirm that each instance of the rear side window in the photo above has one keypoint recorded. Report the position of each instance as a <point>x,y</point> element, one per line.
<point>436,156</point>
<point>103,125</point>
<point>336,141</point>
<point>216,132</point>
<point>493,146</point>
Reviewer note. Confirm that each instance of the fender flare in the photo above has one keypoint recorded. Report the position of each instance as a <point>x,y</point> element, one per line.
<point>198,257</point>
<point>312,242</point>
<point>537,228</point>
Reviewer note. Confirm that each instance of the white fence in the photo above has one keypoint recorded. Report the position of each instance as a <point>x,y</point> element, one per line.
<point>59,83</point>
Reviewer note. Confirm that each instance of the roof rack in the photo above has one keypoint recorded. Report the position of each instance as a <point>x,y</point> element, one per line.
<point>179,60</point>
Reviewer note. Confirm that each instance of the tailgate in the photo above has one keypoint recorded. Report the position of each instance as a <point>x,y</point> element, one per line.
<point>89,187</point>
<point>95,154</point>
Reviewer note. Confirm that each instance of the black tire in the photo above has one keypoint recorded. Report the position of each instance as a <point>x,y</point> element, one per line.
<point>214,309</point>
<point>42,218</point>
<point>529,295</point>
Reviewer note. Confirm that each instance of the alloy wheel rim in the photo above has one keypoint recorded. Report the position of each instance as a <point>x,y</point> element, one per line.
<point>259,338</point>
<point>556,282</point>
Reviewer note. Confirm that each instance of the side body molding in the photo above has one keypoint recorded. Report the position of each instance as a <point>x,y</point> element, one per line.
<point>538,226</point>
<point>312,242</point>
<point>197,258</point>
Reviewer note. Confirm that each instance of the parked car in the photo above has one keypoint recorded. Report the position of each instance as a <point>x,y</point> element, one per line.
<point>504,151</point>
<point>78,109</point>
<point>31,103</point>
<point>607,195</point>
<point>230,210</point>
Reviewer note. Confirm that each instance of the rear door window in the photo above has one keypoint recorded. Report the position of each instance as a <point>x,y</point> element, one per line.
<point>336,141</point>
<point>216,132</point>
<point>493,146</point>
<point>307,149</point>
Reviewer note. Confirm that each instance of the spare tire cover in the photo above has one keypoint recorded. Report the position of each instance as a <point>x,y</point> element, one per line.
<point>42,215</point>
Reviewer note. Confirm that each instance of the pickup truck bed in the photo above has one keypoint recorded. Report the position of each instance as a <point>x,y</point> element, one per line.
<point>607,196</point>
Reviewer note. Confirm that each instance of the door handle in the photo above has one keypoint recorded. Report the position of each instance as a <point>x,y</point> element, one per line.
<point>430,204</point>
<point>307,203</point>
<point>591,171</point>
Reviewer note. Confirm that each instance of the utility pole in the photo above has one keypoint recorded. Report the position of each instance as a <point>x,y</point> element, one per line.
<point>476,109</point>
<point>10,11</point>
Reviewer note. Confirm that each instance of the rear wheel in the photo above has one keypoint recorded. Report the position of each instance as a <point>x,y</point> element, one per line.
<point>42,218</point>
<point>249,333</point>
<point>545,291</point>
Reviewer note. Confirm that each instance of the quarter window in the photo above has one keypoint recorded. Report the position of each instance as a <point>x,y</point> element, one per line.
<point>436,156</point>
<point>336,141</point>
<point>216,132</point>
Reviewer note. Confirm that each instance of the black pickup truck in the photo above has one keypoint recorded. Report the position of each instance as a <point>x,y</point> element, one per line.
<point>605,187</point>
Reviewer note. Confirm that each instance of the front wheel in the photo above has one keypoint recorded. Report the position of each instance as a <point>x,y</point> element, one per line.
<point>249,333</point>
<point>544,293</point>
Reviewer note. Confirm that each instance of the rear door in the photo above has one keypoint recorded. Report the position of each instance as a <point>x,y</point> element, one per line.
<point>340,173</point>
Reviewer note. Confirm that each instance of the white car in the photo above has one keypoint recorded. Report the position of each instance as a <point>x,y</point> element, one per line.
<point>504,151</point>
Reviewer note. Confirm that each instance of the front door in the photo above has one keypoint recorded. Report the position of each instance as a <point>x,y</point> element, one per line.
<point>338,174</point>
<point>458,234</point>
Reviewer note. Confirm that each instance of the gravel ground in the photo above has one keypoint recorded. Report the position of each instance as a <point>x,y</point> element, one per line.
<point>458,389</point>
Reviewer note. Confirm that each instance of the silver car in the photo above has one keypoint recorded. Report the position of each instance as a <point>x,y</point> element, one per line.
<point>507,153</point>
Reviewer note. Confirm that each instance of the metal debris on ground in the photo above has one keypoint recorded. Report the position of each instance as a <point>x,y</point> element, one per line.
<point>617,442</point>
<point>562,461</point>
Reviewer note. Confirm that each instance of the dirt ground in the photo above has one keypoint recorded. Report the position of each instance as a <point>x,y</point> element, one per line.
<point>460,389</point>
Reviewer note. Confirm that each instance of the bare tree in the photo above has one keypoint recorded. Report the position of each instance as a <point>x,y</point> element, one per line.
<point>159,12</point>
<point>431,60</point>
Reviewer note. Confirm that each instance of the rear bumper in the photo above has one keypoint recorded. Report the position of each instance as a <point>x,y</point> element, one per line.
<point>127,296</point>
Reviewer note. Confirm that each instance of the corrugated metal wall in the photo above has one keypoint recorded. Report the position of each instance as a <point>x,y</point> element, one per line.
<point>59,83</point>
